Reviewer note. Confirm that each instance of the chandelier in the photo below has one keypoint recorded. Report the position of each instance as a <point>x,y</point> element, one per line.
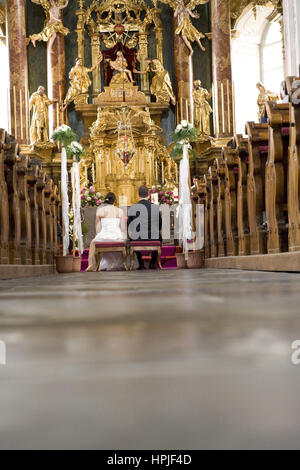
<point>126,149</point>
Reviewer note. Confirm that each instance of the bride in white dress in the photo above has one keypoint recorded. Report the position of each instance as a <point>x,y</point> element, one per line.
<point>110,226</point>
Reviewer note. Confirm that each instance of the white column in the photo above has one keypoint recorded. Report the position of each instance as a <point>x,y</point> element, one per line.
<point>291,23</point>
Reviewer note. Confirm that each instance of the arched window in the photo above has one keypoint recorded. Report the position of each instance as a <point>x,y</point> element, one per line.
<point>257,56</point>
<point>272,55</point>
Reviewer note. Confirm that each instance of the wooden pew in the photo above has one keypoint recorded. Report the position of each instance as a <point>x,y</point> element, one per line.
<point>25,209</point>
<point>241,188</point>
<point>207,243</point>
<point>257,155</point>
<point>41,180</point>
<point>293,86</point>
<point>32,178</point>
<point>4,207</point>
<point>277,176</point>
<point>221,207</point>
<point>11,151</point>
<point>54,212</point>
<point>229,158</point>
<point>213,182</point>
<point>49,222</point>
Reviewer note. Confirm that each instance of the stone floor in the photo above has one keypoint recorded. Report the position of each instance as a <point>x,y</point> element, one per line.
<point>172,359</point>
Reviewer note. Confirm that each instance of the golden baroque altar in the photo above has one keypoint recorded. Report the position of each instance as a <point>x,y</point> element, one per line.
<point>125,113</point>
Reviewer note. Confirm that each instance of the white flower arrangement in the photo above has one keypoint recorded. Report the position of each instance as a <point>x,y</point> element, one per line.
<point>184,134</point>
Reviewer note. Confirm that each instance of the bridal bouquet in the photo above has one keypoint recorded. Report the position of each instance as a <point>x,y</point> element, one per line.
<point>184,134</point>
<point>89,197</point>
<point>163,197</point>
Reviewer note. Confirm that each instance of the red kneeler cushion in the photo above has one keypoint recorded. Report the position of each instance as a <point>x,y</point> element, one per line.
<point>145,243</point>
<point>110,244</point>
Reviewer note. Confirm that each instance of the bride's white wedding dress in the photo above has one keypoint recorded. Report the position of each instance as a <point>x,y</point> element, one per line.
<point>110,231</point>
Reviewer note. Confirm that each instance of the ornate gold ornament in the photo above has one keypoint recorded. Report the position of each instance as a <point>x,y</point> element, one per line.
<point>53,23</point>
<point>148,161</point>
<point>237,6</point>
<point>2,21</point>
<point>184,12</point>
<point>126,22</point>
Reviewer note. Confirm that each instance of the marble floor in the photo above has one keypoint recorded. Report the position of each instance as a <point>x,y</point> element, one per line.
<point>156,360</point>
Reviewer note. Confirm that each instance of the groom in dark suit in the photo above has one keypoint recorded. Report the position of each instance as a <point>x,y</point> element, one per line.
<point>144,224</point>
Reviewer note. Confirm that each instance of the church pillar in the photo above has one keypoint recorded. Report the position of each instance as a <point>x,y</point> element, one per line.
<point>291,25</point>
<point>222,74</point>
<point>184,79</point>
<point>16,33</point>
<point>56,79</point>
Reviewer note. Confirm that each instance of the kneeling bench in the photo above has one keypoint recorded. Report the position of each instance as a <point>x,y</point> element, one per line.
<point>109,247</point>
<point>150,245</point>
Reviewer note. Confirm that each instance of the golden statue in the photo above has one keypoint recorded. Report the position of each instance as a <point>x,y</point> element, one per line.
<point>40,121</point>
<point>120,68</point>
<point>202,108</point>
<point>264,96</point>
<point>79,81</point>
<point>161,86</point>
<point>53,23</point>
<point>185,27</point>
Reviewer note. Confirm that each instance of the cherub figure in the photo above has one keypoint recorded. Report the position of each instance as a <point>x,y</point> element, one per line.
<point>53,23</point>
<point>185,28</point>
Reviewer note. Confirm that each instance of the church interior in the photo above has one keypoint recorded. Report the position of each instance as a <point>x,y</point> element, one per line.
<point>196,99</point>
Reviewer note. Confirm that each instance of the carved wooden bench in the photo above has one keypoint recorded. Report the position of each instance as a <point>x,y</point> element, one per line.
<point>293,86</point>
<point>257,157</point>
<point>241,170</point>
<point>277,176</point>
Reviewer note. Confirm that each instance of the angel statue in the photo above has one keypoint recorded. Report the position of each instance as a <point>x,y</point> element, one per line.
<point>185,27</point>
<point>53,23</point>
<point>161,86</point>
<point>79,81</point>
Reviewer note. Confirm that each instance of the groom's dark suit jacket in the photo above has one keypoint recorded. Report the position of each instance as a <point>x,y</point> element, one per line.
<point>144,221</point>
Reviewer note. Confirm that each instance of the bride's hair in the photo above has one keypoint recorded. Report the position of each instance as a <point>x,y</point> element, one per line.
<point>110,198</point>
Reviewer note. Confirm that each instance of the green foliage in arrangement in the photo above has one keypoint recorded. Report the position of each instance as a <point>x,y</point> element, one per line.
<point>184,134</point>
<point>64,135</point>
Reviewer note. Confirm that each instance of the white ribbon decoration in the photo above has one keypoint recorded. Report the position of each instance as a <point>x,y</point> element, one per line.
<point>76,204</point>
<point>65,201</point>
<point>185,205</point>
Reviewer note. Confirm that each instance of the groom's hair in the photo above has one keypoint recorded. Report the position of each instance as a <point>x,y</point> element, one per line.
<point>143,191</point>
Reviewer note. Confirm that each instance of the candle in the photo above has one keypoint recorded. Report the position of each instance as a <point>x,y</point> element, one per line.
<point>93,172</point>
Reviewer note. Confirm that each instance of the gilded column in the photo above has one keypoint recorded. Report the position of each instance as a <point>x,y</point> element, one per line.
<point>95,43</point>
<point>56,79</point>
<point>143,50</point>
<point>16,33</point>
<point>222,74</point>
<point>80,31</point>
<point>184,78</point>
